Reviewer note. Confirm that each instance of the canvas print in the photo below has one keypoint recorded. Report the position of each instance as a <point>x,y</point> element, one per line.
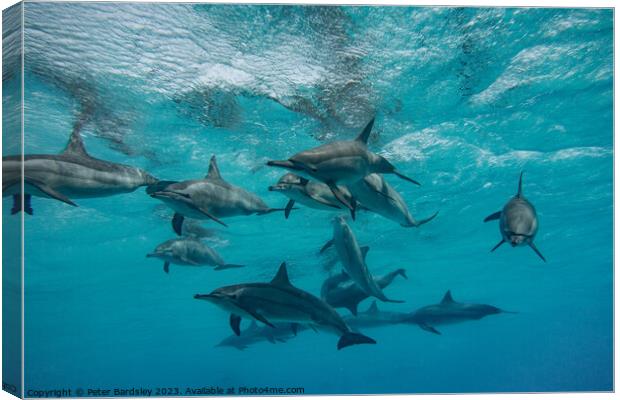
<point>229,199</point>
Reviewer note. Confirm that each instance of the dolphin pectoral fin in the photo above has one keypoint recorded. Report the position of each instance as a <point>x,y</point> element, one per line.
<point>429,328</point>
<point>177,223</point>
<point>353,308</point>
<point>425,220</point>
<point>533,246</point>
<point>342,198</point>
<point>51,192</point>
<point>313,328</point>
<point>258,317</point>
<point>497,245</point>
<point>351,338</point>
<point>327,245</point>
<point>364,250</point>
<point>493,216</point>
<point>401,176</point>
<point>235,322</point>
<point>288,208</point>
<point>211,216</point>
<point>167,267</point>
<point>386,300</point>
<point>228,266</point>
<point>294,328</point>
<point>281,340</point>
<point>271,339</point>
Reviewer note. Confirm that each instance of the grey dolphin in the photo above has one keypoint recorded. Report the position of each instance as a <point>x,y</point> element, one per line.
<point>279,300</point>
<point>342,162</point>
<point>380,197</point>
<point>208,198</point>
<point>340,291</point>
<point>191,252</point>
<point>72,174</point>
<point>315,195</point>
<point>256,334</point>
<point>353,259</point>
<point>373,317</point>
<point>518,222</point>
<point>449,311</point>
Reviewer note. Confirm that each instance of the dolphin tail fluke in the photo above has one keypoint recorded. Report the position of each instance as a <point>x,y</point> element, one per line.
<point>51,192</point>
<point>177,223</point>
<point>533,246</point>
<point>425,220</point>
<point>493,216</point>
<point>228,266</point>
<point>497,245</point>
<point>288,208</point>
<point>17,204</point>
<point>288,164</point>
<point>429,328</point>
<point>401,176</point>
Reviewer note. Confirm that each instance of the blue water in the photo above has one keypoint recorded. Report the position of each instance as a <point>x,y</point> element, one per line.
<point>464,98</point>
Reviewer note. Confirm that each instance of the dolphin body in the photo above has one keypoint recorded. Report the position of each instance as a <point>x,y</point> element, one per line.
<point>449,311</point>
<point>312,194</point>
<point>190,252</point>
<point>380,197</point>
<point>353,259</point>
<point>518,222</point>
<point>256,334</point>
<point>208,198</point>
<point>72,174</point>
<point>279,300</point>
<point>373,318</point>
<point>349,294</point>
<point>342,162</point>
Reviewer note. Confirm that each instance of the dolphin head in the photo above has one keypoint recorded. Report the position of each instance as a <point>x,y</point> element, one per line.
<point>164,251</point>
<point>224,297</point>
<point>486,309</point>
<point>288,182</point>
<point>516,239</point>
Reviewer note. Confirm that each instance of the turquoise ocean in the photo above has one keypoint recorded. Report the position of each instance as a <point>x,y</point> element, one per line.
<point>464,99</point>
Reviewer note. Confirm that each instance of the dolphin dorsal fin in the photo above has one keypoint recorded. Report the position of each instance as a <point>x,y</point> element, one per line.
<point>281,278</point>
<point>363,137</point>
<point>373,309</point>
<point>519,190</point>
<point>214,171</point>
<point>75,144</point>
<point>447,298</point>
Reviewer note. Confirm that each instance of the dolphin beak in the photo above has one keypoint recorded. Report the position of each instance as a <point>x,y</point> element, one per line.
<point>149,255</point>
<point>204,296</point>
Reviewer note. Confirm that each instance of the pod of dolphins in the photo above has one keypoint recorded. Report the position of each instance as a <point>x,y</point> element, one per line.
<point>337,176</point>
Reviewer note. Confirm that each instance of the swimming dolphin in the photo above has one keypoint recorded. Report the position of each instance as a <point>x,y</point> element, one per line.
<point>340,291</point>
<point>191,252</point>
<point>353,259</point>
<point>450,312</point>
<point>279,300</point>
<point>256,334</point>
<point>342,162</point>
<point>72,174</point>
<point>315,195</point>
<point>380,197</point>
<point>373,317</point>
<point>518,223</point>
<point>208,198</point>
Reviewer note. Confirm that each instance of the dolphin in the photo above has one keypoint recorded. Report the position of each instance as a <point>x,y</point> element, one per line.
<point>72,174</point>
<point>518,223</point>
<point>279,300</point>
<point>313,194</point>
<point>342,162</point>
<point>255,334</point>
<point>189,251</point>
<point>373,318</point>
<point>339,291</point>
<point>208,198</point>
<point>380,197</point>
<point>353,259</point>
<point>450,312</point>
